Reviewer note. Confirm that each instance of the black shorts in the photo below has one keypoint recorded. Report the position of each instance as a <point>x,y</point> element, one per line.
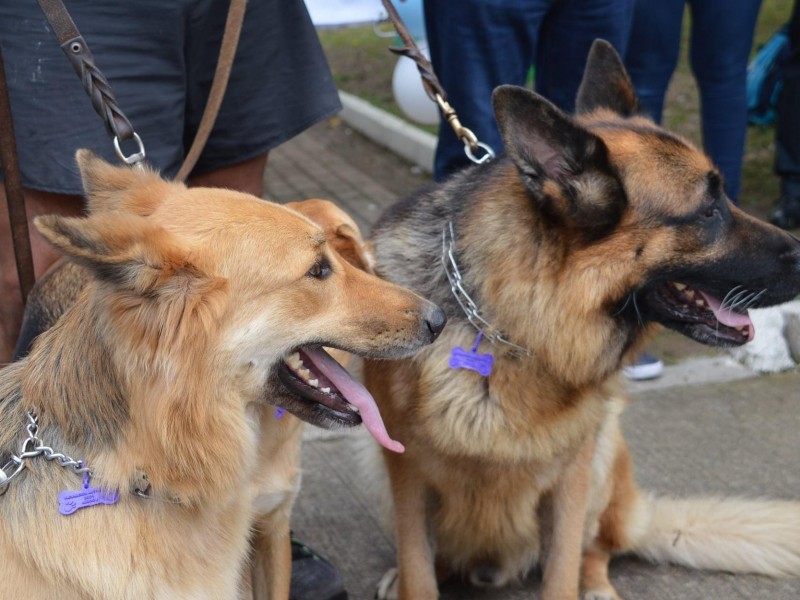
<point>159,57</point>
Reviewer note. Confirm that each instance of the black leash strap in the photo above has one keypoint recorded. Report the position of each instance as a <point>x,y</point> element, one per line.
<point>94,82</point>
<point>15,198</point>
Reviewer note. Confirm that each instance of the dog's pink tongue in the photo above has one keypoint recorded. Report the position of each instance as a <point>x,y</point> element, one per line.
<point>729,317</point>
<point>356,394</point>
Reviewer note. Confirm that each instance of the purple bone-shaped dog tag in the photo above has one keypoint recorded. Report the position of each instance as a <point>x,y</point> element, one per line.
<point>70,501</point>
<point>471,360</point>
<point>279,412</point>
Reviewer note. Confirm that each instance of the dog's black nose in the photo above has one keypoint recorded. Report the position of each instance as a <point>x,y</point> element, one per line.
<point>435,320</point>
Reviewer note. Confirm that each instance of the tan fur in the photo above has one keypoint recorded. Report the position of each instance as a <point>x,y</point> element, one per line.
<point>162,367</point>
<point>528,466</point>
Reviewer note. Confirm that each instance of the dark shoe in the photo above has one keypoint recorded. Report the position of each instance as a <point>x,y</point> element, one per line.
<point>787,212</point>
<point>313,577</point>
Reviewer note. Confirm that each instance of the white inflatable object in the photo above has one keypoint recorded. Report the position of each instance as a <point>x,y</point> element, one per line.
<point>410,94</point>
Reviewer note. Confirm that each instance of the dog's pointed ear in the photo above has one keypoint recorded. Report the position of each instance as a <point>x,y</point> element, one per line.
<point>564,165</point>
<point>352,247</point>
<point>114,188</point>
<point>124,250</point>
<point>606,83</point>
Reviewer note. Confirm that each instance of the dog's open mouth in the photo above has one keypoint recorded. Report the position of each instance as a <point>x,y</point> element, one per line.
<point>314,376</point>
<point>700,316</point>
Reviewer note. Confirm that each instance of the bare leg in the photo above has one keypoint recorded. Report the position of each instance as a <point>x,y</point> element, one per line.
<point>37,203</point>
<point>246,177</point>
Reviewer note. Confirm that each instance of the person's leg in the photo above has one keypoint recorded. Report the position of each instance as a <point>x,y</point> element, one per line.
<point>721,39</point>
<point>475,46</point>
<point>247,176</point>
<point>11,308</point>
<point>787,132</point>
<point>567,34</point>
<point>653,50</point>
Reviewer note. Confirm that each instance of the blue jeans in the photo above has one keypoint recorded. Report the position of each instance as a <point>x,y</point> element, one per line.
<point>719,49</point>
<point>477,45</point>
<point>787,126</point>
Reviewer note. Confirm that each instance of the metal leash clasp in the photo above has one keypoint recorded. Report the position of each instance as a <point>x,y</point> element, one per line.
<point>471,143</point>
<point>6,474</point>
<point>137,158</point>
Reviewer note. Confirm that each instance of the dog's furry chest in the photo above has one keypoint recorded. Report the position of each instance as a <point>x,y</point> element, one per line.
<point>511,417</point>
<point>485,513</point>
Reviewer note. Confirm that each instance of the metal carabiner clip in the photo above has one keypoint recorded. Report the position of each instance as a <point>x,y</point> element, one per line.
<point>489,153</point>
<point>137,158</point>
<point>18,464</point>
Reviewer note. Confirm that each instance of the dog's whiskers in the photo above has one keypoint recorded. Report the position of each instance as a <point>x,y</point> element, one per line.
<point>624,306</point>
<point>725,300</point>
<point>755,299</point>
<point>636,307</point>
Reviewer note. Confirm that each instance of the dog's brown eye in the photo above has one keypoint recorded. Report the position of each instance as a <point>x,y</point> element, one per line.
<point>320,270</point>
<point>710,212</point>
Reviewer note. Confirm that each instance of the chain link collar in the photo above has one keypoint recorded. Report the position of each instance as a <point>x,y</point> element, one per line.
<point>467,304</point>
<point>33,447</point>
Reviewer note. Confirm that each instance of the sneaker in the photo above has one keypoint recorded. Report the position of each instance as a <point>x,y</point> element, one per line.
<point>787,212</point>
<point>646,366</point>
<point>313,577</point>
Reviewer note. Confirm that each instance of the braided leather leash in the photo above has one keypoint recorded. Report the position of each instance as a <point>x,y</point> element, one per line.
<point>434,89</point>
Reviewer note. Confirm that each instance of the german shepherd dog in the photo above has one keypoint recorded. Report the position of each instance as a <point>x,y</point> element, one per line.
<point>566,255</point>
<point>278,471</point>
<point>203,306</point>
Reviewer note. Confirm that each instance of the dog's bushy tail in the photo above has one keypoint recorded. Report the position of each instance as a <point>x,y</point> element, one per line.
<point>727,534</point>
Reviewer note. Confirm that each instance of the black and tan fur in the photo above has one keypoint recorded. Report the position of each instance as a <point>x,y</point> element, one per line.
<point>167,366</point>
<point>570,248</point>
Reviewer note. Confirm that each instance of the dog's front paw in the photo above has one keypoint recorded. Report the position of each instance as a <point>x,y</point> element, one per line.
<point>387,586</point>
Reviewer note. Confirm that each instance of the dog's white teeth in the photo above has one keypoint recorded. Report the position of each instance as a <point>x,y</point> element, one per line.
<point>304,373</point>
<point>326,390</point>
<point>294,360</point>
<point>680,286</point>
<point>313,382</point>
<point>352,408</point>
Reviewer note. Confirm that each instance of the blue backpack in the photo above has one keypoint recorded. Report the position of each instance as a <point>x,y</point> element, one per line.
<point>764,78</point>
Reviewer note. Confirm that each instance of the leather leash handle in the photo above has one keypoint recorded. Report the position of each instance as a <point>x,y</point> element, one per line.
<point>81,59</point>
<point>15,198</point>
<point>227,52</point>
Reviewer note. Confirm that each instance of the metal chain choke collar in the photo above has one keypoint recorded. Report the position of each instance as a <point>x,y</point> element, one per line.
<point>33,447</point>
<point>467,304</point>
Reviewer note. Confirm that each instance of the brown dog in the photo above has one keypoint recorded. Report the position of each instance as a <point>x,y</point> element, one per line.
<point>566,255</point>
<point>58,290</point>
<point>202,307</point>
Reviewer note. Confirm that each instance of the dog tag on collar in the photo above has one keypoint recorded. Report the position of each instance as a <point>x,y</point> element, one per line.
<point>472,360</point>
<point>70,501</point>
<point>279,412</point>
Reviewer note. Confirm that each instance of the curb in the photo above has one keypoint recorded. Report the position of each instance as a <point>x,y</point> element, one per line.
<point>395,134</point>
